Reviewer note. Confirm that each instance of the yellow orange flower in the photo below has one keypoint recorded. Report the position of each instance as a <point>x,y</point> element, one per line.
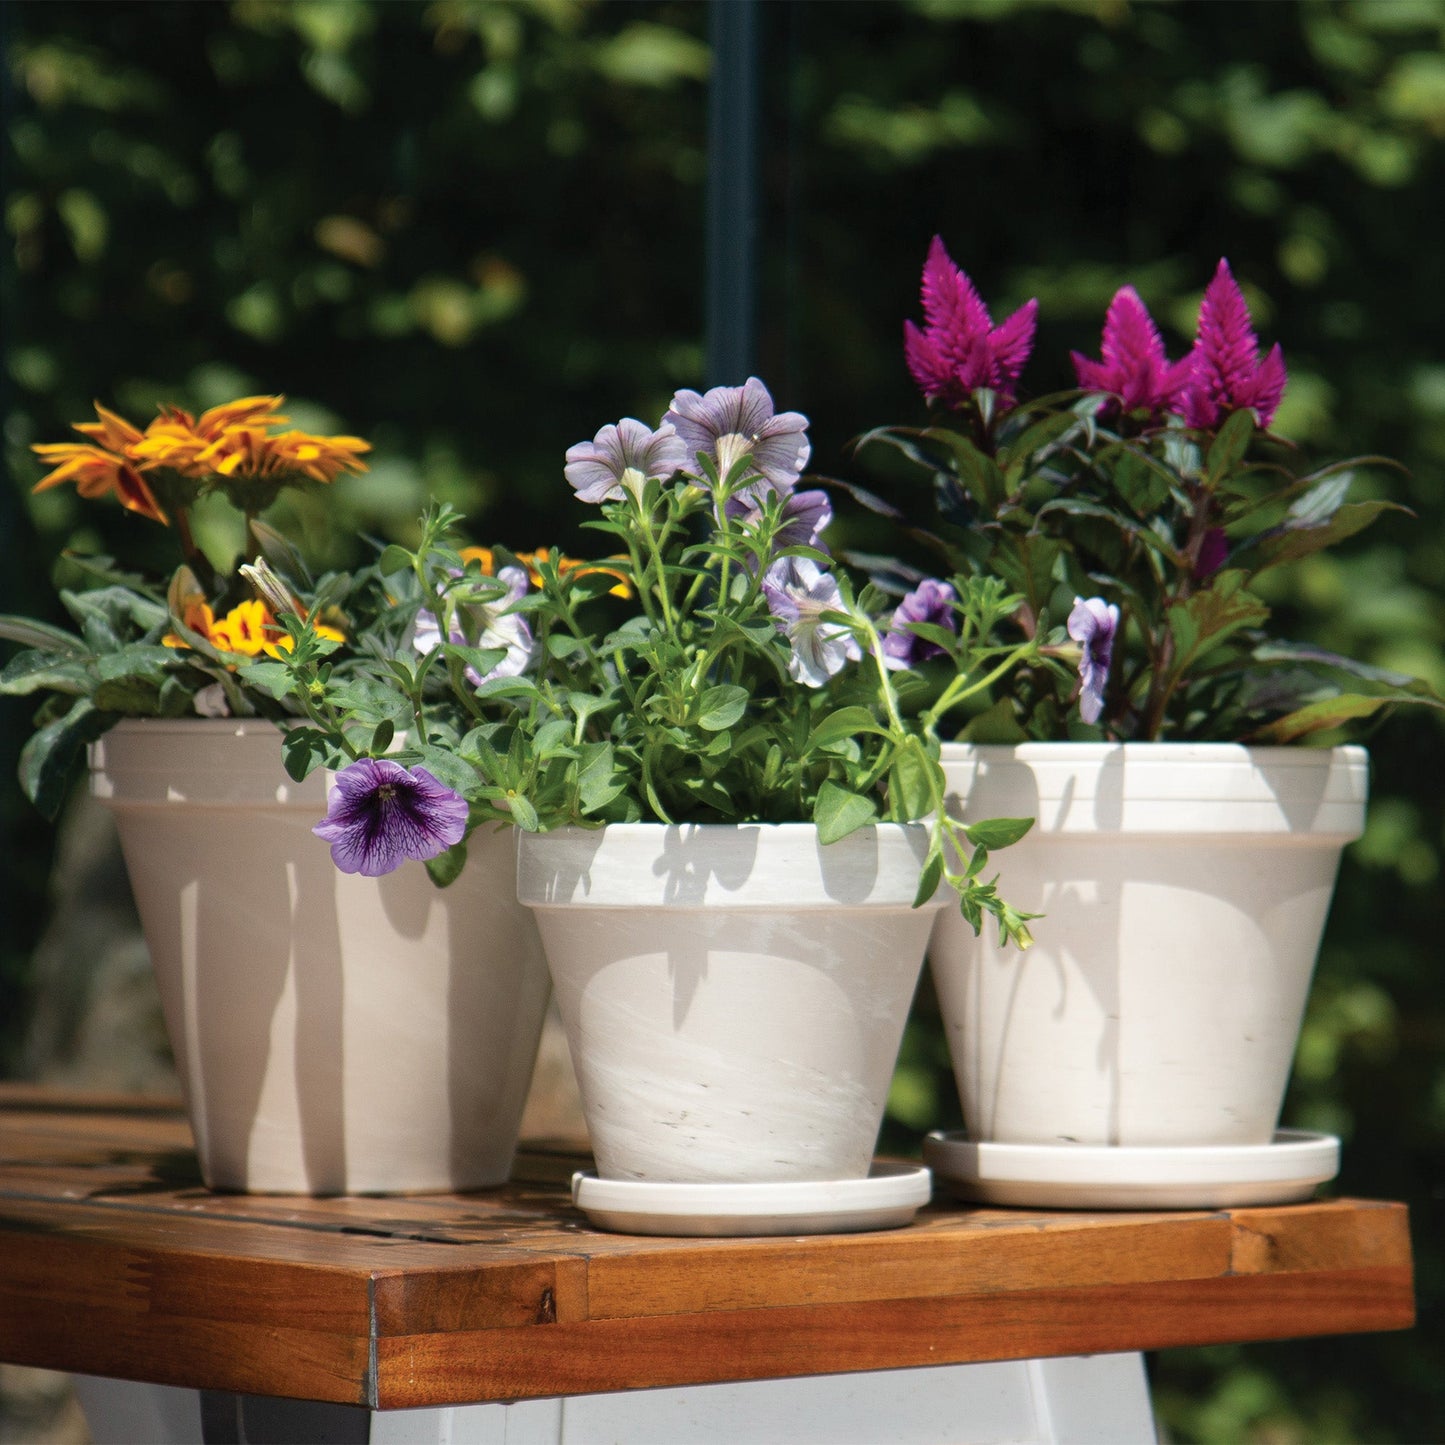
<point>113,432</point>
<point>248,629</point>
<point>251,452</point>
<point>531,561</point>
<point>234,442</point>
<point>176,439</point>
<point>96,472</point>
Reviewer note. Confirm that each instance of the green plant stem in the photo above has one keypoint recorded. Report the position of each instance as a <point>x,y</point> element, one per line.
<point>960,689</point>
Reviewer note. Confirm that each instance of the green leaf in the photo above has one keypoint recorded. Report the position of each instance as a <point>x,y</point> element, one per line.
<point>913,782</point>
<point>1074,507</point>
<point>136,659</point>
<point>597,784</point>
<point>1330,712</point>
<point>563,645</point>
<point>29,672</point>
<point>929,879</point>
<point>998,724</point>
<point>838,812</point>
<point>1227,449</point>
<point>978,472</point>
<point>449,770</point>
<point>1208,617</point>
<point>393,559</point>
<point>306,748</point>
<point>1139,481</point>
<point>272,678</point>
<point>523,813</point>
<point>721,707</point>
<point>130,696</point>
<point>553,739</point>
<point>41,635</point>
<point>51,758</point>
<point>994,833</point>
<point>1289,544</point>
<point>846,722</point>
<point>480,659</point>
<point>446,867</point>
<point>506,687</point>
<point>1316,506</point>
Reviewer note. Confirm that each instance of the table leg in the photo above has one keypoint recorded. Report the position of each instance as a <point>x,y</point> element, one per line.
<point>1086,1400</point>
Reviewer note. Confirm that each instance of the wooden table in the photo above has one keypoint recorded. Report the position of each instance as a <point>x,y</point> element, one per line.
<point>115,1262</point>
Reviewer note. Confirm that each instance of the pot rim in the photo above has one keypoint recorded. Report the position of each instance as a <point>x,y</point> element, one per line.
<point>752,866</point>
<point>1182,790</point>
<point>1259,754</point>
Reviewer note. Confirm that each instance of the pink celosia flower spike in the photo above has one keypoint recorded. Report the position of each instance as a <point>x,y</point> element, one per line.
<point>1229,373</point>
<point>1134,366</point>
<point>959,349</point>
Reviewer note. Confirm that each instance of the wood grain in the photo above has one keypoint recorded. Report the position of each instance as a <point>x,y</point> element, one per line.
<point>115,1261</point>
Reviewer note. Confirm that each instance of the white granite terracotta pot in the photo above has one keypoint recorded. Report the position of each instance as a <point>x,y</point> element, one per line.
<point>334,1034</point>
<point>734,996</point>
<point>1184,889</point>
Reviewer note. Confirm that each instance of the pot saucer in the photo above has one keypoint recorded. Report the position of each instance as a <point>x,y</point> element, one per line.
<point>887,1199</point>
<point>1087,1176</point>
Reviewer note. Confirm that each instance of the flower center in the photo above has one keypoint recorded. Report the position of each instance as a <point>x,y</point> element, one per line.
<point>732,447</point>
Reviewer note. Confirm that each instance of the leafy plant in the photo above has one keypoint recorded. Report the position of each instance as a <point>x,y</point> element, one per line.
<point>1133,520</point>
<point>148,650</point>
<point>750,681</point>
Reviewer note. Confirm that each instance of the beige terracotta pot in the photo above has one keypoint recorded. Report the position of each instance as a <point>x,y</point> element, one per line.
<point>734,995</point>
<point>333,1034</point>
<point>1184,889</point>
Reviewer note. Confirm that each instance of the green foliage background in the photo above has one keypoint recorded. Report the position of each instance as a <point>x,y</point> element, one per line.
<point>471,230</point>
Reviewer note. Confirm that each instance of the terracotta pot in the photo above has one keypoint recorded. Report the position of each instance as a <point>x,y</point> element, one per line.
<point>734,996</point>
<point>333,1034</point>
<point>1184,889</point>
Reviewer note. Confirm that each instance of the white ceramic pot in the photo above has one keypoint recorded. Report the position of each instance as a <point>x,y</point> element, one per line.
<point>333,1034</point>
<point>734,996</point>
<point>1184,889</point>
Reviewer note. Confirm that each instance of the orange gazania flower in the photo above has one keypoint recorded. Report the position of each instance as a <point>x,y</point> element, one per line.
<point>95,472</point>
<point>531,561</point>
<point>113,432</point>
<point>250,452</point>
<point>235,440</point>
<point>175,439</point>
<point>248,629</point>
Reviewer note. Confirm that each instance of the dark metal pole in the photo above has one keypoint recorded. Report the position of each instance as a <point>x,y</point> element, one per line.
<point>730,315</point>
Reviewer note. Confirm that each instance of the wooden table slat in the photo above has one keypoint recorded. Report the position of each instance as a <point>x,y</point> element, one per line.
<point>114,1260</point>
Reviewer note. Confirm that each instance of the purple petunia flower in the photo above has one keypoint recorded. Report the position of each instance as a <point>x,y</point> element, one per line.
<point>798,593</point>
<point>931,601</point>
<point>731,422</point>
<point>959,349</point>
<point>491,626</point>
<point>1228,372</point>
<point>380,814</point>
<point>1092,624</point>
<point>624,458</point>
<point>805,517</point>
<point>1134,366</point>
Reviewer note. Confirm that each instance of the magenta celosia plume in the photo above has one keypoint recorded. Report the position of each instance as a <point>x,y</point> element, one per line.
<point>1134,366</point>
<point>959,349</point>
<point>1229,374</point>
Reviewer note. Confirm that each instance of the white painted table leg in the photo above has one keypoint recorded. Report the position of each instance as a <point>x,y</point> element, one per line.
<point>122,1412</point>
<point>1094,1400</point>
<point>1086,1400</point>
<point>1090,1400</point>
